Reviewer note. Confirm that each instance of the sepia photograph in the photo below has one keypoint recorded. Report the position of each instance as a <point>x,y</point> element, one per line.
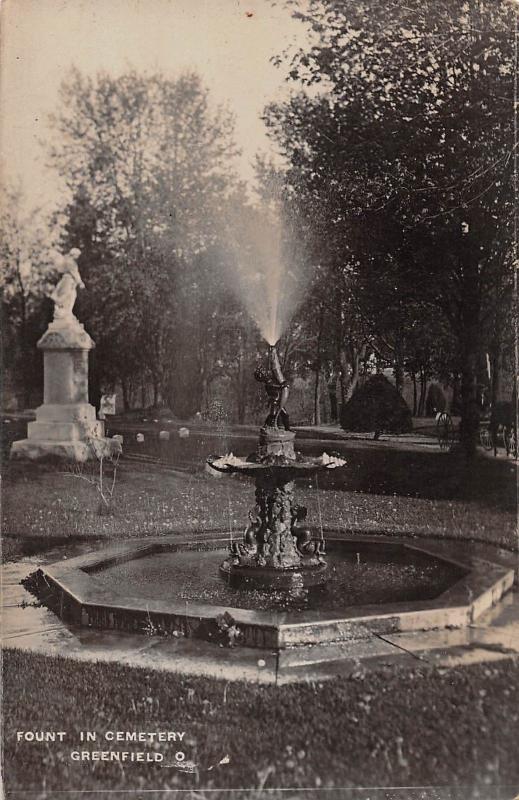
<point>260,316</point>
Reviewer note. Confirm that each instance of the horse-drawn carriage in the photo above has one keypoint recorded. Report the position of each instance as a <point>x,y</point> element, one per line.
<point>497,429</point>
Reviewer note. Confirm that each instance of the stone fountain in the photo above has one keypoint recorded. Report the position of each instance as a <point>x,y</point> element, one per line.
<point>275,589</point>
<point>277,546</point>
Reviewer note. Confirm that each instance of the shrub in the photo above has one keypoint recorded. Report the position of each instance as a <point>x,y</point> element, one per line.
<point>106,452</point>
<point>436,400</point>
<point>377,406</point>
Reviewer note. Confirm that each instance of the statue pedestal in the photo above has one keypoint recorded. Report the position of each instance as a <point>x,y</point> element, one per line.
<point>276,442</point>
<point>66,420</point>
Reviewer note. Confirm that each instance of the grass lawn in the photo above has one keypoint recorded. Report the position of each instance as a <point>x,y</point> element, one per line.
<point>436,728</point>
<point>43,507</point>
<point>425,727</point>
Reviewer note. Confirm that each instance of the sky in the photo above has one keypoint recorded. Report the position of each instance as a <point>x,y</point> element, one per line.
<point>228,42</point>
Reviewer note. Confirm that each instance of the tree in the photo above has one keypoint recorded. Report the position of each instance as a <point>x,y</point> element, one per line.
<point>149,168</point>
<point>406,158</point>
<point>27,248</point>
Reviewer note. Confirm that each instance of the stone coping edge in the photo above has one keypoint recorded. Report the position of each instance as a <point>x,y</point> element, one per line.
<point>73,594</point>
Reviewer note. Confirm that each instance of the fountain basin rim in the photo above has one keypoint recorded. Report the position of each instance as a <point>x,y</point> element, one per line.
<point>93,605</point>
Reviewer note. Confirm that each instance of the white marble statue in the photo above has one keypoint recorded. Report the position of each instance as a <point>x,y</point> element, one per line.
<point>65,292</point>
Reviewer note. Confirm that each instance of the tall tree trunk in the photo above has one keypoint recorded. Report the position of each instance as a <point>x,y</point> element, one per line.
<point>241,399</point>
<point>358,355</point>
<point>205,394</point>
<point>156,391</point>
<point>494,389</point>
<point>469,402</point>
<point>24,347</point>
<point>423,392</point>
<point>398,368</point>
<point>332,395</point>
<point>343,376</point>
<point>317,384</point>
<point>415,394</point>
<point>456,400</point>
<point>350,371</point>
<point>242,409</point>
<point>317,397</point>
<point>126,394</point>
<point>470,346</point>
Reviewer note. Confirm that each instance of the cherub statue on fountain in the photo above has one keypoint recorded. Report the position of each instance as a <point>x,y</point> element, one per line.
<point>277,390</point>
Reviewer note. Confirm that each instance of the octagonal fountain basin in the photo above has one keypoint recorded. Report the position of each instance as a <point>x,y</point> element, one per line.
<point>169,585</point>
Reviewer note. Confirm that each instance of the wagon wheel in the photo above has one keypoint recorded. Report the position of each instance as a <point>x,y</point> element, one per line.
<point>444,431</point>
<point>486,439</point>
<point>510,440</point>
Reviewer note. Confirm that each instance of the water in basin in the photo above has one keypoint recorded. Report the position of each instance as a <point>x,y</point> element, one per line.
<point>357,575</point>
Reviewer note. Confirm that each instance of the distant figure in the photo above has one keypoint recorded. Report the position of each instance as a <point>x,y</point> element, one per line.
<point>277,390</point>
<point>65,292</point>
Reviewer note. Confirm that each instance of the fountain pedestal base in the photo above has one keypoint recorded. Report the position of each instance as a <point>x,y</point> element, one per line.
<point>254,576</point>
<point>276,547</point>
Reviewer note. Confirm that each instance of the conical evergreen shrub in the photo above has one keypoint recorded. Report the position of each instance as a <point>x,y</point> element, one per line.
<point>377,406</point>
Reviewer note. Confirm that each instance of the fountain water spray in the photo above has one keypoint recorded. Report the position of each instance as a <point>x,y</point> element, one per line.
<point>266,270</point>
